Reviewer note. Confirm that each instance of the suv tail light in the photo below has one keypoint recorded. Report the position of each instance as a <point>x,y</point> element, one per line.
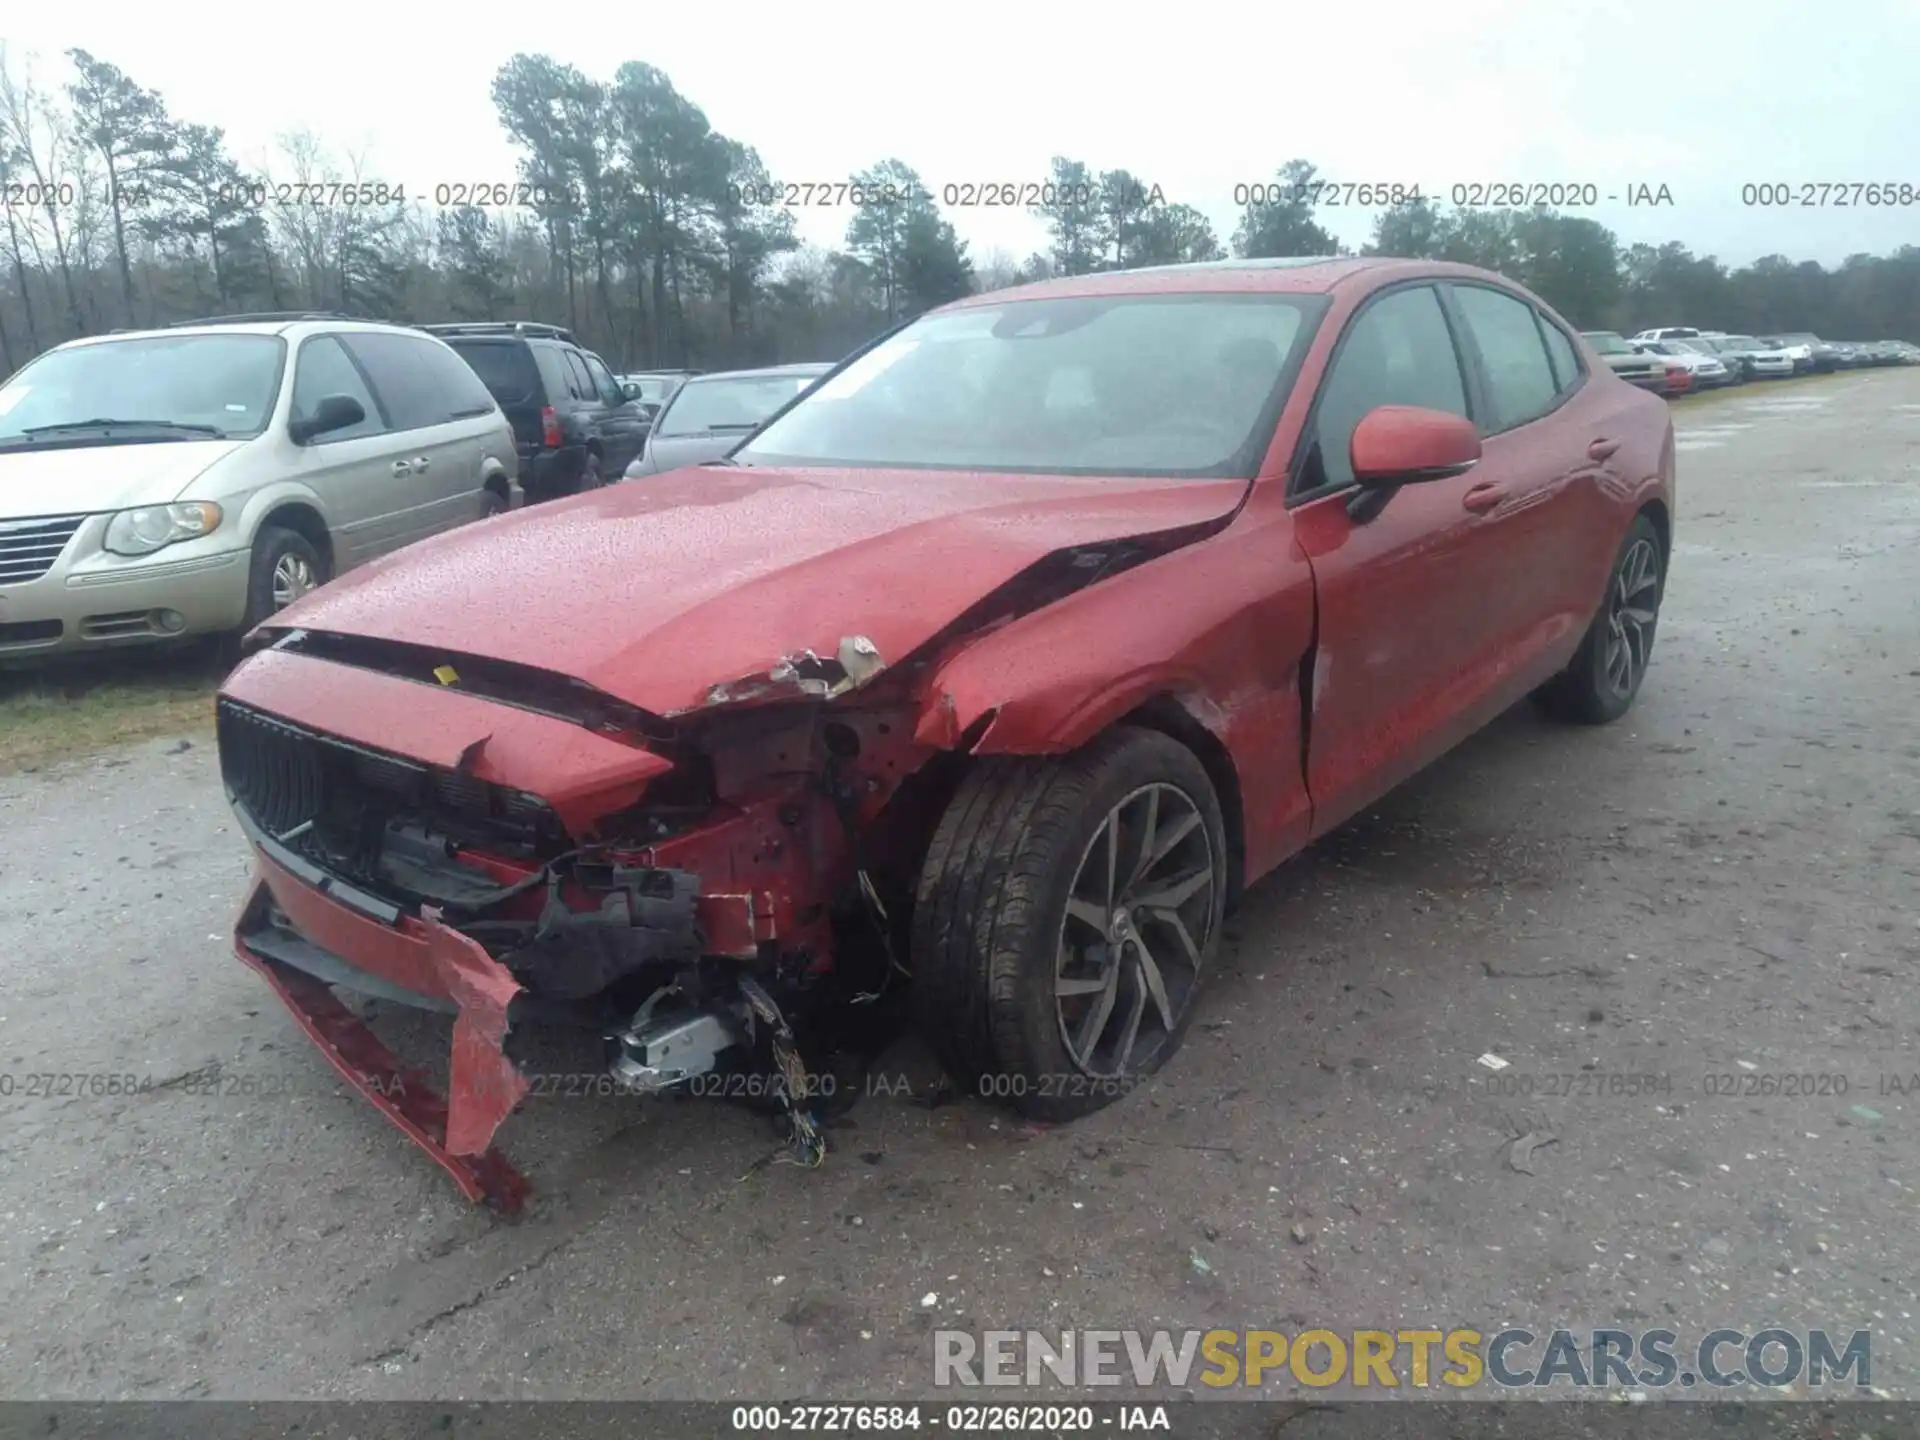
<point>549,428</point>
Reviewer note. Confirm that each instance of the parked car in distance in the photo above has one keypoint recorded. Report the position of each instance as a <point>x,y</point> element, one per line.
<point>1628,361</point>
<point>1667,332</point>
<point>572,422</point>
<point>1731,371</point>
<point>710,414</point>
<point>654,388</point>
<point>1704,372</point>
<point>162,484</point>
<point>1809,353</point>
<point>1758,360</point>
<point>944,681</point>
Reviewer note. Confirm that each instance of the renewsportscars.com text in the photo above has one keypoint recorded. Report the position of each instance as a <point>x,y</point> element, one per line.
<point>1511,1358</point>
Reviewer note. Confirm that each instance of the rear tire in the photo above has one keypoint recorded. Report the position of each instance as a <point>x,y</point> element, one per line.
<point>1600,683</point>
<point>591,477</point>
<point>493,504</point>
<point>1067,912</point>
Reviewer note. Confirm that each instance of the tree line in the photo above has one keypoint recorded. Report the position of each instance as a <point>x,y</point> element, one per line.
<point>661,241</point>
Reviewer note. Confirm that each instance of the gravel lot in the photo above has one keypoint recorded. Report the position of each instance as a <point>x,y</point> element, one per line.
<point>1721,885</point>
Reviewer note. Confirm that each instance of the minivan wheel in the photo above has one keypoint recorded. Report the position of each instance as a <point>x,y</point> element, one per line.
<point>1066,913</point>
<point>493,503</point>
<point>1607,670</point>
<point>285,566</point>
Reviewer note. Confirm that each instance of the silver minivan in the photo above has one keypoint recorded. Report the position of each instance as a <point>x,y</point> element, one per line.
<point>161,484</point>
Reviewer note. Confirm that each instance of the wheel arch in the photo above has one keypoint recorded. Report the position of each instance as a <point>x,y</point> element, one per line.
<point>305,521</point>
<point>1662,520</point>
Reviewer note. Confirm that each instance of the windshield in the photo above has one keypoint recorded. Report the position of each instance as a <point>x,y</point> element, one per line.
<point>223,383</point>
<point>1179,385</point>
<point>1607,342</point>
<point>704,406</point>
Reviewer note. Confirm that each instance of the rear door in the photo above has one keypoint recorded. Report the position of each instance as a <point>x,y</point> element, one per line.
<point>351,471</point>
<point>432,402</point>
<point>1403,650</point>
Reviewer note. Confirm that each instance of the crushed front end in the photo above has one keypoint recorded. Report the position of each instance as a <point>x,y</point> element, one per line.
<point>513,848</point>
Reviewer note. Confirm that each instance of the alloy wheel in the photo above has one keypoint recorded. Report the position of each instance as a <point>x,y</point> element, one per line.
<point>292,577</point>
<point>1632,606</point>
<point>1140,915</point>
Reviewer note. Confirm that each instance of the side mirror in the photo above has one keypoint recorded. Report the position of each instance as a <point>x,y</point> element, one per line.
<point>1395,445</point>
<point>631,390</point>
<point>334,412</point>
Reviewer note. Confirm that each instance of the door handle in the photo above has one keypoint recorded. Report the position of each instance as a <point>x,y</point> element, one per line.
<point>402,467</point>
<point>1483,497</point>
<point>1602,449</point>
<point>419,463</point>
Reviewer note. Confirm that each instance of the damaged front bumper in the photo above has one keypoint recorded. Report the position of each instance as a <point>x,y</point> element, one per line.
<point>426,964</point>
<point>512,873</point>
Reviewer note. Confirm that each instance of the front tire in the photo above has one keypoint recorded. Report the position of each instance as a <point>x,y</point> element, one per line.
<point>1067,911</point>
<point>285,566</point>
<point>1600,683</point>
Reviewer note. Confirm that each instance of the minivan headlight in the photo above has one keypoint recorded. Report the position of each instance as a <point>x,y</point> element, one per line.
<point>153,527</point>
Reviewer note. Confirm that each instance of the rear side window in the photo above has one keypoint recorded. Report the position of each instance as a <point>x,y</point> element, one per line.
<point>580,383</point>
<point>420,381</point>
<point>322,369</point>
<point>1520,381</point>
<point>553,371</point>
<point>505,367</point>
<point>1398,352</point>
<point>1566,360</point>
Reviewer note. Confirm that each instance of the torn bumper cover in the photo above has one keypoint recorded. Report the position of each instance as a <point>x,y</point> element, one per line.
<point>295,928</point>
<point>425,963</point>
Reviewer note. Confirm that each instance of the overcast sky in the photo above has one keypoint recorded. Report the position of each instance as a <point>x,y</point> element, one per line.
<point>1701,98</point>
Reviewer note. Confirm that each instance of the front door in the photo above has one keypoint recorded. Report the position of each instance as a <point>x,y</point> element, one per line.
<point>1409,601</point>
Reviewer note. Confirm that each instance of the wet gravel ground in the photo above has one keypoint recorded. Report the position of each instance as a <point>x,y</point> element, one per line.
<point>1718,890</point>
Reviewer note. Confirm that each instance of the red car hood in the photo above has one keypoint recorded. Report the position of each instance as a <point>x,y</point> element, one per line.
<point>656,590</point>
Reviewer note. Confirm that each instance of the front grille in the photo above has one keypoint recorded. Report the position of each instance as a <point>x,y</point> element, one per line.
<point>286,776</point>
<point>28,548</point>
<point>275,770</point>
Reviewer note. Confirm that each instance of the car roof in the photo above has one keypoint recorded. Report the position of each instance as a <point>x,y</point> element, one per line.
<point>282,327</point>
<point>1290,275</point>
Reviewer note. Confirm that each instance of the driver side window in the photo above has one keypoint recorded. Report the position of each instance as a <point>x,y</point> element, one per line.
<point>1399,351</point>
<point>324,369</point>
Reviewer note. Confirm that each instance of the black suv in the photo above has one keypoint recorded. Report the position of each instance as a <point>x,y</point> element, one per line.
<point>572,421</point>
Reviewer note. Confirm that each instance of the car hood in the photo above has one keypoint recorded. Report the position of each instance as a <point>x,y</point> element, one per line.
<point>72,479</point>
<point>658,593</point>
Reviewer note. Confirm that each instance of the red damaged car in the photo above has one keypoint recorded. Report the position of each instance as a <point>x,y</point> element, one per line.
<point>994,667</point>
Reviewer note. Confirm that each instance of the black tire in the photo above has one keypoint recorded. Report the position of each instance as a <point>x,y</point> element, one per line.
<point>991,915</point>
<point>494,503</point>
<point>591,476</point>
<point>1589,691</point>
<point>271,547</point>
